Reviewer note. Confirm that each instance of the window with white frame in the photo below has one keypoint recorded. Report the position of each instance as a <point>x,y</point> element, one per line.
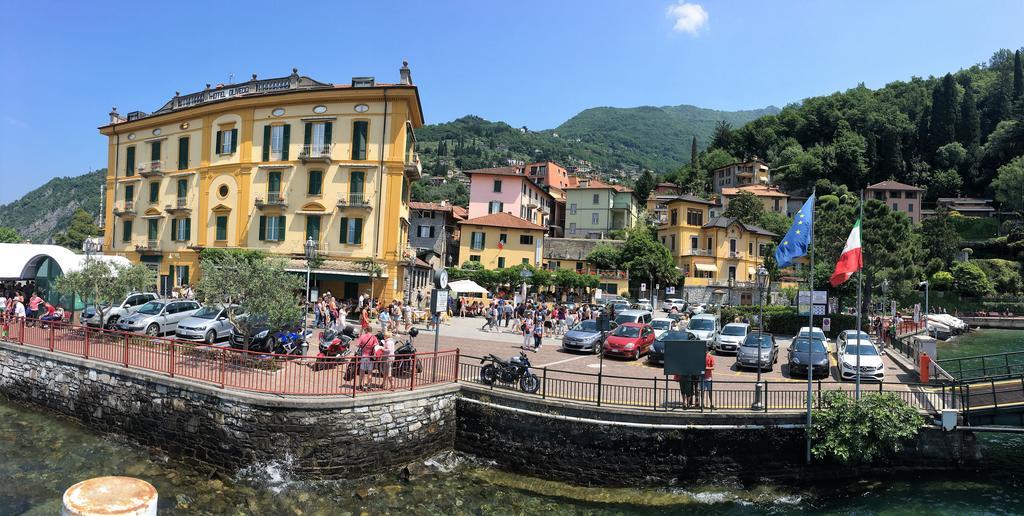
<point>572,228</point>
<point>495,207</point>
<point>277,142</point>
<point>572,208</point>
<point>595,218</point>
<point>273,228</point>
<point>226,141</point>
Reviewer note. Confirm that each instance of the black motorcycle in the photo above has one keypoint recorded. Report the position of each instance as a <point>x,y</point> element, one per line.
<point>510,371</point>
<point>403,364</point>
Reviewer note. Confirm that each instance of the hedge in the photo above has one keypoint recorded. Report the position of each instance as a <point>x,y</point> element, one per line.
<point>783,321</point>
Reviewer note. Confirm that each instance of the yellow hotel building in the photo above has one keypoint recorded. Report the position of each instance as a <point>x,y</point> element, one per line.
<point>501,240</point>
<point>718,256</point>
<point>266,164</point>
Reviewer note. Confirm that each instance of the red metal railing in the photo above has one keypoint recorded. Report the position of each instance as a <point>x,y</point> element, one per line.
<point>243,370</point>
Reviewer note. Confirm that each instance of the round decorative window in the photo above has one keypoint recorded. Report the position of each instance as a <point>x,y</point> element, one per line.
<point>362,108</point>
<point>184,125</point>
<point>320,109</point>
<point>223,191</point>
<point>157,131</point>
<point>131,136</point>
<point>277,111</point>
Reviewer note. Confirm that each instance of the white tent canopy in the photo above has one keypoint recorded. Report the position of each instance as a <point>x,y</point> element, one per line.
<point>22,261</point>
<point>466,287</point>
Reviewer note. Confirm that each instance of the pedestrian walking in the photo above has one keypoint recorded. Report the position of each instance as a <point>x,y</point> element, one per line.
<point>706,385</point>
<point>538,335</point>
<point>526,327</point>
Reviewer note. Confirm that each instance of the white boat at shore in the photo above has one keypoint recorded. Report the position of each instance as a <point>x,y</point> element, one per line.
<point>944,326</point>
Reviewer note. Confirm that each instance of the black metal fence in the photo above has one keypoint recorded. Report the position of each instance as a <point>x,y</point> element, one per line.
<point>984,366</point>
<point>662,393</point>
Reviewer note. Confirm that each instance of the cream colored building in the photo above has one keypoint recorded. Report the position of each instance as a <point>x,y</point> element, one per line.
<point>265,164</point>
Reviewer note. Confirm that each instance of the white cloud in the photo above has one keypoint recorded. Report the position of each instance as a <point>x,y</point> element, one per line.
<point>689,18</point>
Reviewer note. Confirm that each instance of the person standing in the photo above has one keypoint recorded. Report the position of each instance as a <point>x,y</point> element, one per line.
<point>538,334</point>
<point>33,306</point>
<point>706,385</point>
<point>365,345</point>
<point>526,327</point>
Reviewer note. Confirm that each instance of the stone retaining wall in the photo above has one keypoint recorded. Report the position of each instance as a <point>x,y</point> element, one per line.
<point>319,438</point>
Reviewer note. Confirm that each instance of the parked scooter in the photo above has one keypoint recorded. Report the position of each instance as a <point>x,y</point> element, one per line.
<point>337,351</point>
<point>403,363</point>
<point>516,369</point>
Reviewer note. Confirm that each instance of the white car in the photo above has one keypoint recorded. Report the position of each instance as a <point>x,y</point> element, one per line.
<point>644,304</point>
<point>871,366</point>
<point>673,302</point>
<point>731,337</point>
<point>695,309</point>
<point>817,334</point>
<point>661,325</point>
<point>847,335</point>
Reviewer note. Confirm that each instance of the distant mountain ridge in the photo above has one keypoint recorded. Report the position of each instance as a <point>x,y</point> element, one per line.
<point>47,210</point>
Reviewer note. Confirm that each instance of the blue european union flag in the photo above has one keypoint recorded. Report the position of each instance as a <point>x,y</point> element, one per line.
<point>798,239</point>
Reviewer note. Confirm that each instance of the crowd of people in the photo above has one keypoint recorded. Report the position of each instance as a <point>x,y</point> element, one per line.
<point>22,304</point>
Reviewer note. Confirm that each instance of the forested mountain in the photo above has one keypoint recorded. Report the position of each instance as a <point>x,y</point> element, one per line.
<point>951,133</point>
<point>47,210</point>
<point>656,138</point>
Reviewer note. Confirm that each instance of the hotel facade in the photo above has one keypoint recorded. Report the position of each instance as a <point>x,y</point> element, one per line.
<point>267,164</point>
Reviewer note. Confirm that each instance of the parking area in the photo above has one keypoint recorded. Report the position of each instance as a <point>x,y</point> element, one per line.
<point>466,335</point>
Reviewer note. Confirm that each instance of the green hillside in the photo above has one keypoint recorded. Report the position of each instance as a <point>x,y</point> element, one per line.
<point>656,138</point>
<point>47,210</point>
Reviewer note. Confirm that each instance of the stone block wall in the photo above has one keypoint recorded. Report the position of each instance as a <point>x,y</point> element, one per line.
<point>316,438</point>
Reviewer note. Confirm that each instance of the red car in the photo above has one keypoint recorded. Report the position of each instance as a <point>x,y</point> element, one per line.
<point>630,340</point>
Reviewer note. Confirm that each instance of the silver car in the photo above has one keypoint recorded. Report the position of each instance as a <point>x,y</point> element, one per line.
<point>209,324</point>
<point>158,317</point>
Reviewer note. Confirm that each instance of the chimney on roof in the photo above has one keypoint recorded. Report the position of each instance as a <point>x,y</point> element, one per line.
<point>254,77</point>
<point>444,202</point>
<point>405,74</point>
<point>115,117</point>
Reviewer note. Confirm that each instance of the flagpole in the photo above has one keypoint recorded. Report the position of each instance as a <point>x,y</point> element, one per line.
<point>810,326</point>
<point>860,276</point>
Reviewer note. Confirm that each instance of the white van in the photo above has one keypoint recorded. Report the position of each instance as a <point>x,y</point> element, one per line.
<point>635,316</point>
<point>705,327</point>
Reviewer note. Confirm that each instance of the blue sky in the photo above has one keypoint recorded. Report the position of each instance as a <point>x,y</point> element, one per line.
<point>534,63</point>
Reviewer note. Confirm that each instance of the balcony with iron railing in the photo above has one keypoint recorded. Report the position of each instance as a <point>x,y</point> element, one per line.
<point>180,206</point>
<point>125,209</point>
<point>699,252</point>
<point>358,200</point>
<point>316,152</point>
<point>148,246</point>
<point>151,169</point>
<point>735,255</point>
<point>272,200</point>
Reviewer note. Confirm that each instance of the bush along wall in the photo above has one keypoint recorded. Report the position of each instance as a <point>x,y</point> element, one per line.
<point>784,320</point>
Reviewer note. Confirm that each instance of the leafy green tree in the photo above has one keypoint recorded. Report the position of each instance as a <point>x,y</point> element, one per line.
<point>722,137</point>
<point>1005,275</point>
<point>1009,184</point>
<point>103,283</point>
<point>941,280</point>
<point>950,155</point>
<point>775,222</point>
<point>645,185</point>
<point>944,183</point>
<point>746,208</point>
<point>942,128</point>
<point>862,431</point>
<point>646,259</point>
<point>373,269</point>
<point>939,238</point>
<point>262,290</point>
<point>9,236</point>
<point>605,257</point>
<point>970,281</point>
<point>850,157</point>
<point>1018,76</point>
<point>717,158</point>
<point>452,191</point>
<point>81,227</point>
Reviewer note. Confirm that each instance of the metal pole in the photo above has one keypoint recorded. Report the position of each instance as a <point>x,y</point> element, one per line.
<point>810,324</point>
<point>437,343</point>
<point>305,313</point>
<point>860,275</point>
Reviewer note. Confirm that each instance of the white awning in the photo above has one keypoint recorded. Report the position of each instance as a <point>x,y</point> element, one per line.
<point>22,261</point>
<point>706,267</point>
<point>466,287</point>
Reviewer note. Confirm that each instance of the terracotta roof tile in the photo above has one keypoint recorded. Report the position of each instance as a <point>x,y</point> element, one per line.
<point>503,220</point>
<point>894,185</point>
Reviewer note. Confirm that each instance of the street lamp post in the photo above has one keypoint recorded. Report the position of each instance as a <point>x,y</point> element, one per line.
<point>762,287</point>
<point>312,249</point>
<point>925,284</point>
<point>409,276</point>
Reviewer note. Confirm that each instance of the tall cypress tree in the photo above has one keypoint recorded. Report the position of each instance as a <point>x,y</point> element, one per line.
<point>942,127</point>
<point>968,125</point>
<point>1018,76</point>
<point>693,154</point>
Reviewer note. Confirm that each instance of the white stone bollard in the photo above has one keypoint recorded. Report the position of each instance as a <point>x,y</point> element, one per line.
<point>110,496</point>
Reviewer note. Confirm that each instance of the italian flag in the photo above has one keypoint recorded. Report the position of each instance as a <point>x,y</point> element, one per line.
<point>851,260</point>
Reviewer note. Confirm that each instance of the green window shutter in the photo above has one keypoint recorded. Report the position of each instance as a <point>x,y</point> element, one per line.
<point>280,228</point>
<point>344,230</point>
<point>126,231</point>
<point>216,146</point>
<point>174,229</point>
<point>184,274</point>
<point>274,182</point>
<point>309,133</point>
<point>266,143</point>
<point>263,227</point>
<point>316,178</point>
<point>222,227</point>
<point>129,193</point>
<point>285,141</point>
<point>183,153</point>
<point>313,227</point>
<point>327,133</point>
<point>359,140</point>
<point>154,191</point>
<point>154,151</point>
<point>188,229</point>
<point>234,140</point>
<point>359,232</point>
<point>182,188</point>
<point>129,161</point>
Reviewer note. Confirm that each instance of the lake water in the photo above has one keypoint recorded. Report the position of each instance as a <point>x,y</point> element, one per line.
<point>41,455</point>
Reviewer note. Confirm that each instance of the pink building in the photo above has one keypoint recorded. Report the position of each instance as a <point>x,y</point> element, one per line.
<point>508,190</point>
